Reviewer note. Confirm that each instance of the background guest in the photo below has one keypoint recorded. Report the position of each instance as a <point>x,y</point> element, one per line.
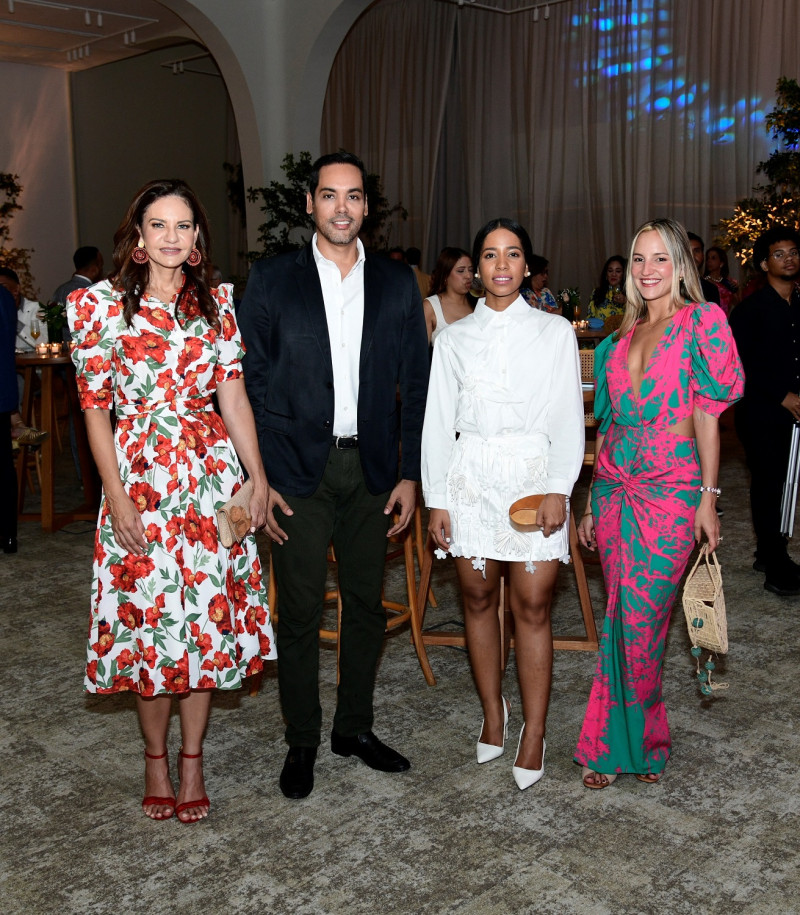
<point>718,273</point>
<point>535,290</point>
<point>88,262</point>
<point>413,259</point>
<point>173,613</point>
<point>608,298</point>
<point>28,333</point>
<point>709,290</point>
<point>9,404</point>
<point>766,326</point>
<point>448,299</point>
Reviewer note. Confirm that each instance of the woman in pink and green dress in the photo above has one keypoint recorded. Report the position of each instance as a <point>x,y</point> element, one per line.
<point>662,381</point>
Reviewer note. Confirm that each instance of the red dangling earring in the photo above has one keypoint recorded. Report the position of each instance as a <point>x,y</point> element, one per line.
<point>194,259</point>
<point>139,254</point>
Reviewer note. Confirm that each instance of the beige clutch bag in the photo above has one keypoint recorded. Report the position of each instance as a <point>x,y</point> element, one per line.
<point>233,519</point>
<point>523,511</point>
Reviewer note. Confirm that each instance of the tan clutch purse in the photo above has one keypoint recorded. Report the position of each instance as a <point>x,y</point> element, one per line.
<point>523,511</point>
<point>233,519</point>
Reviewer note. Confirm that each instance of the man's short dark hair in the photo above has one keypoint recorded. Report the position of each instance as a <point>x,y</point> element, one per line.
<point>413,256</point>
<point>693,237</point>
<point>9,274</point>
<point>771,237</point>
<point>337,158</point>
<point>85,257</point>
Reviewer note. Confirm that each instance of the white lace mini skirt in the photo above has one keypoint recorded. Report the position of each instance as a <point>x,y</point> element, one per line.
<point>484,478</point>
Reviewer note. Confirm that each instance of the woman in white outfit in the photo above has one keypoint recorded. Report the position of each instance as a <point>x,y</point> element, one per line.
<point>449,299</point>
<point>504,419</point>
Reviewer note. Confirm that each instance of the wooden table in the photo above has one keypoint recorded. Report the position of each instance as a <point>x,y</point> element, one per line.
<point>588,335</point>
<point>28,364</point>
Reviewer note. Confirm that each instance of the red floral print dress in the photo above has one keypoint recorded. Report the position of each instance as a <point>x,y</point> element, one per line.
<point>189,614</point>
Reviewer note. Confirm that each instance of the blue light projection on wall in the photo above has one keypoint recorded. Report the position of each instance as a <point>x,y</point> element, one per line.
<point>637,42</point>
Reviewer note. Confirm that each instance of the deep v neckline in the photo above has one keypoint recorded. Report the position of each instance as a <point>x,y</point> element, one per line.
<point>637,394</point>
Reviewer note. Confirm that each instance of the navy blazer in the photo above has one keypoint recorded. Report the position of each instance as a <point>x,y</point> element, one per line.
<point>289,374</point>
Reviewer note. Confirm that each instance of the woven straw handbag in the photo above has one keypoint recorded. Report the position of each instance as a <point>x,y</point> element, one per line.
<point>704,609</point>
<point>233,519</point>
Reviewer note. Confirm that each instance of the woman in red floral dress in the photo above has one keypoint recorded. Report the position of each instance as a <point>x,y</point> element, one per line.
<point>174,614</point>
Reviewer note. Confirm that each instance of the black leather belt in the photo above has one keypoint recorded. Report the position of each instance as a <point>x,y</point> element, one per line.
<point>343,442</point>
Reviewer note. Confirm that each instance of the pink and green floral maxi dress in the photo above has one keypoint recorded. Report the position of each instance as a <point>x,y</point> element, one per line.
<point>644,497</point>
<point>189,614</point>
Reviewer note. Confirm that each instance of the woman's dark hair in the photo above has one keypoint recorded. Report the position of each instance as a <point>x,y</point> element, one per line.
<point>131,278</point>
<point>512,226</point>
<point>602,286</point>
<point>448,258</point>
<point>724,269</point>
<point>538,264</point>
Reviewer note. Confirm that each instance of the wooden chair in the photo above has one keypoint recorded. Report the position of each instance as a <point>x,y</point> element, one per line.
<point>398,611</point>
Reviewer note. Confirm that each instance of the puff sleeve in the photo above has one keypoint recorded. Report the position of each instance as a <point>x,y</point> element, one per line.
<point>91,314</point>
<point>717,376</point>
<point>602,399</point>
<point>229,346</point>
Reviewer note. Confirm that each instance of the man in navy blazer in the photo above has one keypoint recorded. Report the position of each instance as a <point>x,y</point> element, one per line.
<point>332,335</point>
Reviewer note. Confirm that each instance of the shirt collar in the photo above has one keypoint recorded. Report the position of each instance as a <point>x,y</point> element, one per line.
<point>518,310</point>
<point>320,259</point>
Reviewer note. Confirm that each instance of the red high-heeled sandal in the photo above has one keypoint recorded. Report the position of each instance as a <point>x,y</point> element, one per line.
<point>186,805</point>
<point>160,801</point>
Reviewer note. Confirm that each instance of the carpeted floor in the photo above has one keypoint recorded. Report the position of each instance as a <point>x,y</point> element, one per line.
<point>718,834</point>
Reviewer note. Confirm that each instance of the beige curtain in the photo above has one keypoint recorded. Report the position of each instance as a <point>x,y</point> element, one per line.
<point>581,126</point>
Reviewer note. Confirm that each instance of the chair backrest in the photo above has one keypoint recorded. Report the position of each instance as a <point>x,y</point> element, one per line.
<point>587,364</point>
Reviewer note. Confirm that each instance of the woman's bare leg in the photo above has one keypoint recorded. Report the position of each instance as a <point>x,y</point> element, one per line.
<point>481,596</point>
<point>530,598</point>
<point>195,709</point>
<point>154,720</point>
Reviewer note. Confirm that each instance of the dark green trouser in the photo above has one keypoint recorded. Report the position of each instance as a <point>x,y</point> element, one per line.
<point>343,511</point>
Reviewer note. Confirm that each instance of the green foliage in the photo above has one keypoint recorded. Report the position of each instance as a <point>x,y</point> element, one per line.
<point>779,200</point>
<point>17,259</point>
<point>288,227</point>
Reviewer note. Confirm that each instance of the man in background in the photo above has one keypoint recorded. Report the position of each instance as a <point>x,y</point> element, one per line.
<point>413,258</point>
<point>710,290</point>
<point>88,263</point>
<point>27,324</point>
<point>766,327</point>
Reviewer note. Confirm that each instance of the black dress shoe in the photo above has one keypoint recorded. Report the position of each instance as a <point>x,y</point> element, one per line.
<point>370,750</point>
<point>9,544</point>
<point>297,777</point>
<point>783,581</point>
<point>760,565</point>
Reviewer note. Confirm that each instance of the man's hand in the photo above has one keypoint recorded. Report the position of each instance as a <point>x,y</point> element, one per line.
<point>792,404</point>
<point>404,496</point>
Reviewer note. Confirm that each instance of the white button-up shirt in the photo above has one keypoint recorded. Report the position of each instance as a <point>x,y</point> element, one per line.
<point>344,310</point>
<point>509,373</point>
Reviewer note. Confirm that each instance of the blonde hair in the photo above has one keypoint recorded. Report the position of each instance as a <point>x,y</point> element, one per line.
<point>685,278</point>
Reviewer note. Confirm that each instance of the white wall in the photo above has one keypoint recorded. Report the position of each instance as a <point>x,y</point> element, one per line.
<point>134,121</point>
<point>35,143</point>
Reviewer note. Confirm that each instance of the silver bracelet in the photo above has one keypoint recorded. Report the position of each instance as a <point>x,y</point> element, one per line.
<point>717,492</point>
